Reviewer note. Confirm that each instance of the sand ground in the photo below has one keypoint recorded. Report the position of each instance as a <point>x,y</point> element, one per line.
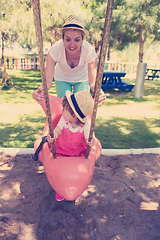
<point>121,202</point>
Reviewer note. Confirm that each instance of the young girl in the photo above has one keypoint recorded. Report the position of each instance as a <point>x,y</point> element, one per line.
<point>72,131</point>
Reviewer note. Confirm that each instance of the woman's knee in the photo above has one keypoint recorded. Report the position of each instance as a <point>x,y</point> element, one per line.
<point>81,86</point>
<point>62,87</point>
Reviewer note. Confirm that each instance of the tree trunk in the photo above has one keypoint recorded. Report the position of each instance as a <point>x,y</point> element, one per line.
<point>96,46</point>
<point>141,43</point>
<point>2,45</point>
<point>108,54</point>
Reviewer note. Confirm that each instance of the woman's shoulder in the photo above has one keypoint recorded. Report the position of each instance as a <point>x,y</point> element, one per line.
<point>57,44</point>
<point>88,48</point>
<point>87,44</point>
<point>88,52</point>
<point>56,50</point>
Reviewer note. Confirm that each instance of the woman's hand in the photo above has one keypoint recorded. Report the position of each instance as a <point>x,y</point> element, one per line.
<point>102,97</point>
<point>38,95</point>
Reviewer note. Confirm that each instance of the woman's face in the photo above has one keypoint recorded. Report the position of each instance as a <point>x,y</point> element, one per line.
<point>72,41</point>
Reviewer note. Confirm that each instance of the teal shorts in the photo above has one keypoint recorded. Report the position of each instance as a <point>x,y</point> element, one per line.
<point>62,87</point>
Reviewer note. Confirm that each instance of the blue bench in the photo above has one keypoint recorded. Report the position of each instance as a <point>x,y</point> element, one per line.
<point>112,80</point>
<point>152,73</point>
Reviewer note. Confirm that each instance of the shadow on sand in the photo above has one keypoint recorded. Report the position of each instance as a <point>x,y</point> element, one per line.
<point>121,202</point>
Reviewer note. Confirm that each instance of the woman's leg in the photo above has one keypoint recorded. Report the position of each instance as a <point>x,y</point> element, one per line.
<point>62,87</point>
<point>81,86</point>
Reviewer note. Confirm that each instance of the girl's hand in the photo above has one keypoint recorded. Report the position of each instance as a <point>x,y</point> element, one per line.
<point>49,138</point>
<point>91,143</point>
<point>38,95</point>
<point>56,133</point>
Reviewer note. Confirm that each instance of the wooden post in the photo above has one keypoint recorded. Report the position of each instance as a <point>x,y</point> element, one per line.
<point>38,28</point>
<point>104,44</point>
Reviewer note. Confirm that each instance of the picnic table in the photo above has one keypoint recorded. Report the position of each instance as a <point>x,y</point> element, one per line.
<point>152,73</point>
<point>112,80</point>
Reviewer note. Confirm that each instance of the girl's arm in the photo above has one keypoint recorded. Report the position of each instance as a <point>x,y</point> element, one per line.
<point>86,134</point>
<point>57,131</point>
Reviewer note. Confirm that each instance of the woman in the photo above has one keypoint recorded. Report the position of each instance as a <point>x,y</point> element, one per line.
<point>72,60</point>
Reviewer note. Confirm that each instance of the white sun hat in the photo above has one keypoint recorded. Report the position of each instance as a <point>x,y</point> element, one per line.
<point>74,22</point>
<point>81,103</point>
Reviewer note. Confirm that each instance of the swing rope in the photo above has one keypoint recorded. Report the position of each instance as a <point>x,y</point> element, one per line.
<point>104,44</point>
<point>38,29</point>
<point>103,50</point>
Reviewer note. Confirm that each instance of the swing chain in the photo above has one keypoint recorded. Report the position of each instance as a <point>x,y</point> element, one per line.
<point>38,28</point>
<point>104,44</point>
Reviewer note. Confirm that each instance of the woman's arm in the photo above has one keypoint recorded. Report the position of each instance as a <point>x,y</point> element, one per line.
<point>92,72</point>
<point>49,71</point>
<point>50,66</point>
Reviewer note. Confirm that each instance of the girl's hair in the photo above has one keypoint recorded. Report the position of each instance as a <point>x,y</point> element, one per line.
<point>66,105</point>
<point>63,32</point>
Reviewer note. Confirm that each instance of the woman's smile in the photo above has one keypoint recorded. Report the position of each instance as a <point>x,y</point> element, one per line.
<point>72,49</point>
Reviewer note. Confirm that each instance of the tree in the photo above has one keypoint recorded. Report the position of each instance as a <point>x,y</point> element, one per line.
<point>132,21</point>
<point>16,22</point>
<point>54,14</point>
<point>95,25</point>
<point>22,24</point>
<point>140,19</point>
<point>19,23</point>
<point>4,23</point>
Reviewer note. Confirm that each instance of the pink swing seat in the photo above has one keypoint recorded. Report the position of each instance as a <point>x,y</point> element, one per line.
<point>68,176</point>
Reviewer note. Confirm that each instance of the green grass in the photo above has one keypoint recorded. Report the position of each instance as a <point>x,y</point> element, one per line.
<point>25,82</point>
<point>122,121</point>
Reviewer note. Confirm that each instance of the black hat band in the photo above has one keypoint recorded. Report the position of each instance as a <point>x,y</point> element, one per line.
<point>72,25</point>
<point>75,104</point>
